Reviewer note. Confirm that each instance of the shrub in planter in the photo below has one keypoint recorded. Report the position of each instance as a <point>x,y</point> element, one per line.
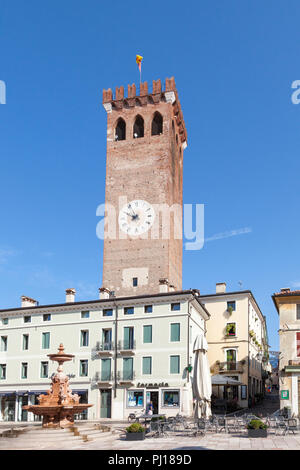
<point>135,432</point>
<point>257,428</point>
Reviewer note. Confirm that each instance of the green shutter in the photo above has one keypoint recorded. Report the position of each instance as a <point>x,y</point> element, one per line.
<point>46,341</point>
<point>175,332</point>
<point>148,334</point>
<point>147,365</point>
<point>174,365</point>
<point>105,369</point>
<point>127,368</point>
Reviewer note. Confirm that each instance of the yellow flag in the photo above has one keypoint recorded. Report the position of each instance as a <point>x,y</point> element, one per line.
<point>139,59</point>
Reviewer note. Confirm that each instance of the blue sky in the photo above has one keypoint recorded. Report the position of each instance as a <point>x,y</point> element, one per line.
<point>233,62</point>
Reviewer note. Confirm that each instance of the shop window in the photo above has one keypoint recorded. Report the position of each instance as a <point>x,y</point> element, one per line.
<point>135,398</point>
<point>171,398</point>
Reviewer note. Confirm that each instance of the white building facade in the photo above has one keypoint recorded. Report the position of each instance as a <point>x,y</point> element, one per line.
<point>128,351</point>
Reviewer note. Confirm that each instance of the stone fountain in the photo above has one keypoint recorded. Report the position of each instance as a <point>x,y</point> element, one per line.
<point>59,405</point>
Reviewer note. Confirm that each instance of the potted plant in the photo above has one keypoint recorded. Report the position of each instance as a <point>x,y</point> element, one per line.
<point>189,368</point>
<point>257,428</point>
<point>135,432</point>
<point>229,310</point>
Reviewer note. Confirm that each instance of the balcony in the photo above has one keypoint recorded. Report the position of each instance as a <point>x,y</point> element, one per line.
<point>103,379</point>
<point>126,377</point>
<point>104,349</point>
<point>127,347</point>
<point>231,366</point>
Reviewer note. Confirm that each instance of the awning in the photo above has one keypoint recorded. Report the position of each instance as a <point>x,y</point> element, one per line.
<point>37,392</point>
<point>80,392</point>
<point>6,394</point>
<point>224,380</point>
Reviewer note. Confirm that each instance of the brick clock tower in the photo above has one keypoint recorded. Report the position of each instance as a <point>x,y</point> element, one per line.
<point>146,137</point>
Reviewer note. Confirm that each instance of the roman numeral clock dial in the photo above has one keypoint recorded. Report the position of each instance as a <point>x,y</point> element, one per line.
<point>136,217</point>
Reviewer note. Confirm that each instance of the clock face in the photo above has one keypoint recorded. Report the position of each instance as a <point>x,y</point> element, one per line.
<point>136,217</point>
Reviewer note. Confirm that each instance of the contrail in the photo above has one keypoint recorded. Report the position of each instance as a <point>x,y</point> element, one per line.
<point>230,233</point>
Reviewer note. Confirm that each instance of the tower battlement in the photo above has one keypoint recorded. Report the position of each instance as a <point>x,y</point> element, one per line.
<point>119,101</point>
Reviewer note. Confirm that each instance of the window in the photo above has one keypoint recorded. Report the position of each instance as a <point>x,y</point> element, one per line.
<point>85,314</point>
<point>128,337</point>
<point>157,124</point>
<point>148,309</point>
<point>120,133</point>
<point>298,343</point>
<point>170,398</point>
<point>135,398</point>
<point>148,334</point>
<point>27,319</point>
<point>107,312</point>
<point>4,321</point>
<point>105,369</point>
<point>3,343</point>
<point>46,340</point>
<point>83,368</point>
<point>24,369</point>
<point>134,281</point>
<point>231,359</point>
<point>138,128</point>
<point>231,306</point>
<point>230,329</point>
<point>175,331</point>
<point>147,365</point>
<point>47,317</point>
<point>174,364</point>
<point>2,371</point>
<point>84,338</point>
<point>128,310</point>
<point>44,369</point>
<point>107,339</point>
<point>175,307</point>
<point>127,368</point>
<point>298,311</point>
<point>25,342</point>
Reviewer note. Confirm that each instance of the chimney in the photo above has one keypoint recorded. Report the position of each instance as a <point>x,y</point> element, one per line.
<point>285,290</point>
<point>220,287</point>
<point>70,295</point>
<point>28,302</point>
<point>163,285</point>
<point>104,293</point>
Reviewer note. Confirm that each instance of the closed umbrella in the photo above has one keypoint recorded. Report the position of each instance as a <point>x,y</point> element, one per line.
<point>201,380</point>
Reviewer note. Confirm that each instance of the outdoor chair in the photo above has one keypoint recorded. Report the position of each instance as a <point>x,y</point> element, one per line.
<point>291,425</point>
<point>221,424</point>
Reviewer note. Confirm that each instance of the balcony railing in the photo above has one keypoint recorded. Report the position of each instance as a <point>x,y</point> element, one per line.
<point>126,376</point>
<point>103,377</point>
<point>231,366</point>
<point>126,345</point>
<point>104,347</point>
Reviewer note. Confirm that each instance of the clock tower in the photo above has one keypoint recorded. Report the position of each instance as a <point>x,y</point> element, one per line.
<point>146,137</point>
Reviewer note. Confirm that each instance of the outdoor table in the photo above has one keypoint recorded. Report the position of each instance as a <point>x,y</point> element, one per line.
<point>147,418</point>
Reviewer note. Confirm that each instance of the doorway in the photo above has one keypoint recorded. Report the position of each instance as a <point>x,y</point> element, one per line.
<point>154,399</point>
<point>105,403</point>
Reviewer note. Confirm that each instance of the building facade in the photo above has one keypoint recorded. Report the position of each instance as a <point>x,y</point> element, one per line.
<point>127,350</point>
<point>237,342</point>
<point>287,304</point>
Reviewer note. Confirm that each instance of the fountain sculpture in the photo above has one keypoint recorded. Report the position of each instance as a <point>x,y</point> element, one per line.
<point>59,405</point>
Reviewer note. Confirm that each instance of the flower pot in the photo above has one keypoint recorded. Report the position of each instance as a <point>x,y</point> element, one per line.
<point>135,436</point>
<point>257,432</point>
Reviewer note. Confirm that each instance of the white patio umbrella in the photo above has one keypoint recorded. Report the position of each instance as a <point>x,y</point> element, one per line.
<point>201,379</point>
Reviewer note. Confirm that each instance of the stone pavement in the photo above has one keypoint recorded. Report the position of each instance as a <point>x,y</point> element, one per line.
<point>36,438</point>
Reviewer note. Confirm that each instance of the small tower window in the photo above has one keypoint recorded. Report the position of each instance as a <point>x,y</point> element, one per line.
<point>157,124</point>
<point>120,133</point>
<point>138,128</point>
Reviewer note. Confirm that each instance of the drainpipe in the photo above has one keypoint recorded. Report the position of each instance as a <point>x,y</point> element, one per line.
<point>188,341</point>
<point>248,366</point>
<point>116,349</point>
